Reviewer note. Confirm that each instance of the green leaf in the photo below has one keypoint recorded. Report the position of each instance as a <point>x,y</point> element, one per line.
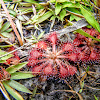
<point>89,26</point>
<point>53,17</point>
<point>87,69</point>
<point>34,19</point>
<point>13,92</point>
<point>76,12</point>
<point>2,61</point>
<point>21,18</point>
<point>57,9</point>
<point>90,18</point>
<point>25,10</point>
<point>14,68</point>
<point>21,75</point>
<point>12,6</point>
<point>72,17</point>
<point>8,30</point>
<point>30,1</point>
<point>5,57</point>
<point>6,46</point>
<point>38,6</point>
<point>82,85</point>
<point>40,35</point>
<point>52,1</point>
<point>18,86</point>
<point>44,17</point>
<point>62,14</point>
<point>80,91</point>
<point>6,34</point>
<point>78,0</point>
<point>34,91</point>
<point>69,4</point>
<point>95,97</point>
<point>12,12</point>
<point>33,37</point>
<point>60,1</point>
<point>17,1</point>
<point>86,34</point>
<point>5,26</point>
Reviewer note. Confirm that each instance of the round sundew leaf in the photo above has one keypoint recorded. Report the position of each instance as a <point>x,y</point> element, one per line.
<point>91,31</point>
<point>77,42</point>
<point>53,37</point>
<point>32,62</point>
<point>93,55</point>
<point>48,69</point>
<point>34,53</point>
<point>42,45</point>
<point>79,36</point>
<point>72,70</point>
<point>63,71</point>
<point>82,56</point>
<point>72,57</point>
<point>36,69</point>
<point>98,36</point>
<point>14,60</point>
<point>68,47</point>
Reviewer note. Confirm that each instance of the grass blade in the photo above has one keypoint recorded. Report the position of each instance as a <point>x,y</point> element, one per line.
<point>90,18</point>
<point>13,92</point>
<point>86,34</point>
<point>40,35</point>
<point>5,27</point>
<point>14,68</point>
<point>18,86</point>
<point>44,17</point>
<point>5,57</point>
<point>57,9</point>
<point>21,75</point>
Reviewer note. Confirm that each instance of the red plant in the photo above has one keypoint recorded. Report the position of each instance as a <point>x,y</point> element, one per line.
<point>51,56</point>
<point>87,49</point>
<point>13,60</point>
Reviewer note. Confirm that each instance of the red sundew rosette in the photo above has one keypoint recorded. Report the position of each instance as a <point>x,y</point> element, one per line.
<point>86,48</point>
<point>47,57</point>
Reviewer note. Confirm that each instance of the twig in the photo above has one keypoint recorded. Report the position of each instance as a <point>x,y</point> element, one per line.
<point>80,97</point>
<point>68,85</point>
<point>92,87</point>
<point>78,15</point>
<point>79,24</point>
<point>52,24</point>
<point>27,44</point>
<point>94,5</point>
